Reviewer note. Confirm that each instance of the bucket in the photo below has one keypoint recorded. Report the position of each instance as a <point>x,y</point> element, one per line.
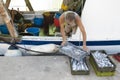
<point>3,29</point>
<point>33,30</point>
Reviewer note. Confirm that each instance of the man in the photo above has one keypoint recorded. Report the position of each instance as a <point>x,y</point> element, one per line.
<point>69,21</point>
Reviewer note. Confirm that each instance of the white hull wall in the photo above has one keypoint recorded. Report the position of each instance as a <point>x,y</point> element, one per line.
<point>109,49</point>
<point>101,19</point>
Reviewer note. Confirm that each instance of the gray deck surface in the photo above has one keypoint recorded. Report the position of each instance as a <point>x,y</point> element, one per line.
<point>45,68</point>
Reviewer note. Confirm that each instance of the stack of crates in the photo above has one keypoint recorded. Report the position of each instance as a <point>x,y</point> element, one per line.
<point>79,67</point>
<point>101,63</point>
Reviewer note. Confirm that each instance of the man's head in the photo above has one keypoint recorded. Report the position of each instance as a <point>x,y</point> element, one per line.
<point>70,18</point>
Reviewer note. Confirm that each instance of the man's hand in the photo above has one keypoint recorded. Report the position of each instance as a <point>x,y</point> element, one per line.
<point>63,43</point>
<point>85,48</point>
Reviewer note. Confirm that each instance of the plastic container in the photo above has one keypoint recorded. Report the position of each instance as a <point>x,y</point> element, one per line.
<point>33,30</point>
<point>80,72</point>
<point>38,21</point>
<point>57,15</point>
<point>3,29</point>
<point>56,22</point>
<point>103,69</point>
<point>100,73</point>
<point>117,57</point>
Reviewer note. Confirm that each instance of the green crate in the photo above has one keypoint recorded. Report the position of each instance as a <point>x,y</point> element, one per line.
<point>105,69</point>
<point>99,73</point>
<point>80,72</point>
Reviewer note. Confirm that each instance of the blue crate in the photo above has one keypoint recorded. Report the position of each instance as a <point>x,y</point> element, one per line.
<point>38,21</point>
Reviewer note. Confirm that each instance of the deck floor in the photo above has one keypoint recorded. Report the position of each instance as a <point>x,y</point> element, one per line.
<point>45,68</point>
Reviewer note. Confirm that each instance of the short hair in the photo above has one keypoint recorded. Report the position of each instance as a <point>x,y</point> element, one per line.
<point>70,16</point>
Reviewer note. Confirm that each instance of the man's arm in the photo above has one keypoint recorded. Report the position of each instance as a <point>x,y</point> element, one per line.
<point>61,20</point>
<point>82,29</point>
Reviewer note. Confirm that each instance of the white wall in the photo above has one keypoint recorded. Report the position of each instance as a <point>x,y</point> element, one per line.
<point>38,5</point>
<point>101,19</point>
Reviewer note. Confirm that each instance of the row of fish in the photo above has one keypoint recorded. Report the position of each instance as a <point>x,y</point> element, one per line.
<point>102,59</point>
<point>79,65</point>
<point>73,51</point>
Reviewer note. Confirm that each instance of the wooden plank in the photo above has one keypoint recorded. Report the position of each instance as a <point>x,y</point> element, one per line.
<point>10,39</point>
<point>7,3</point>
<point>9,22</point>
<point>29,5</point>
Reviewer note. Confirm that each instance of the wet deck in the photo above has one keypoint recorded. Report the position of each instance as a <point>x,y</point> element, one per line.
<point>45,68</point>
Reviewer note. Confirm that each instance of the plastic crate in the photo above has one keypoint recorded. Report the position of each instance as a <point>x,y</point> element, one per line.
<point>104,69</point>
<point>117,57</point>
<point>38,21</point>
<point>79,72</point>
<point>100,73</point>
